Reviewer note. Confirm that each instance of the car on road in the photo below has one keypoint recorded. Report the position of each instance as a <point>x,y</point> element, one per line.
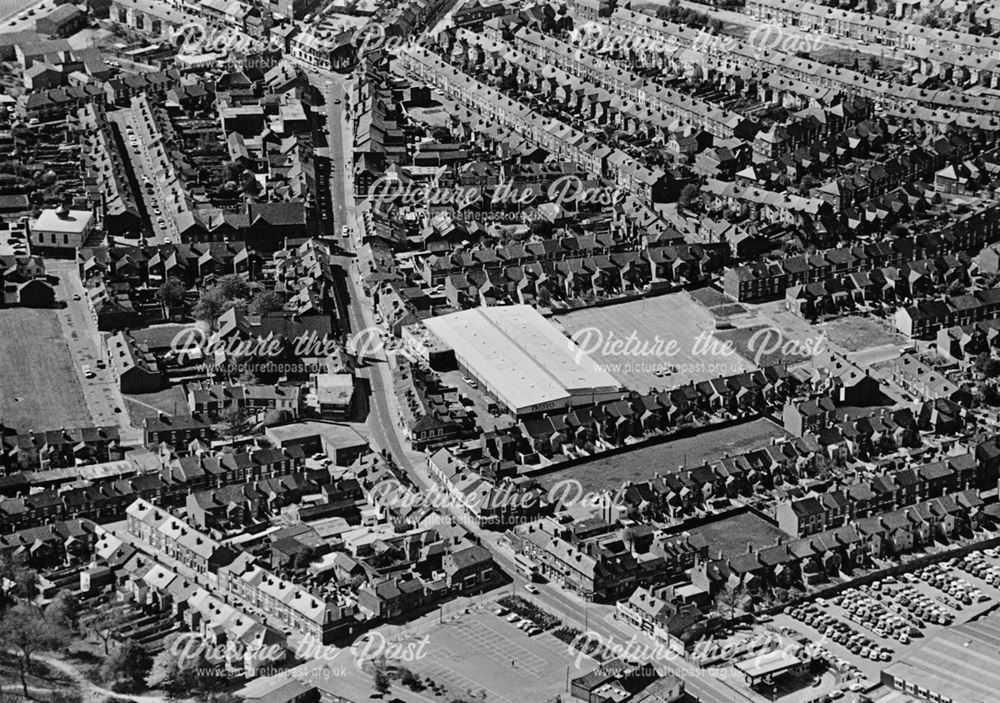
<point>471,383</point>
<point>531,588</point>
<point>76,296</point>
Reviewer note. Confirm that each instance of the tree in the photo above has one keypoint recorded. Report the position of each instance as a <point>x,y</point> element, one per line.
<point>987,365</point>
<point>170,294</point>
<point>25,581</point>
<point>212,303</point>
<point>990,395</point>
<point>727,600</point>
<point>181,674</point>
<point>130,663</point>
<point>104,622</point>
<point>688,193</point>
<point>64,611</point>
<point>808,182</point>
<point>267,301</point>
<point>541,228</point>
<point>222,697</point>
<point>411,681</point>
<point>25,630</point>
<point>233,287</point>
<point>235,422</point>
<point>382,682</point>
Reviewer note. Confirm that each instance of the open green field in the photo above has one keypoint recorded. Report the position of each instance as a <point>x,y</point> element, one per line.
<point>641,464</point>
<point>39,385</point>
<point>731,534</point>
<point>171,401</point>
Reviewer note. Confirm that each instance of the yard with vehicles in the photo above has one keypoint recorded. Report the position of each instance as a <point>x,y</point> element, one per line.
<point>870,625</point>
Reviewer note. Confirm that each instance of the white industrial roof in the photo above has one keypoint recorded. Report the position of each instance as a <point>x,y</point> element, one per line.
<point>74,221</point>
<point>520,356</point>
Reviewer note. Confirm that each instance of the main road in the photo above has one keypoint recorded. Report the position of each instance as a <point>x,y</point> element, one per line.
<point>386,428</point>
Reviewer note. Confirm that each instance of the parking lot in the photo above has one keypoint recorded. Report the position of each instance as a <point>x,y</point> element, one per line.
<point>485,652</point>
<point>867,627</point>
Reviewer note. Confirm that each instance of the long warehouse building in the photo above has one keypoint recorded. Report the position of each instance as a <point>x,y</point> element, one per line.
<point>523,360</point>
<point>958,665</point>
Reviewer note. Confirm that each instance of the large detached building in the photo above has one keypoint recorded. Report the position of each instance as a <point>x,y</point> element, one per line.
<point>61,228</point>
<point>523,360</point>
<point>958,665</point>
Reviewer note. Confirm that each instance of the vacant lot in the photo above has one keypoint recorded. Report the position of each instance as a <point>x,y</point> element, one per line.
<point>642,464</point>
<point>730,535</point>
<point>39,386</point>
<point>762,344</point>
<point>710,297</point>
<point>857,333</point>
<point>171,401</point>
<point>634,340</point>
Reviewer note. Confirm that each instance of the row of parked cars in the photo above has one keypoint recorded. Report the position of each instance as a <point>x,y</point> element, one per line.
<point>522,623</point>
<point>975,563</point>
<point>840,632</point>
<point>867,609</point>
<point>943,578</point>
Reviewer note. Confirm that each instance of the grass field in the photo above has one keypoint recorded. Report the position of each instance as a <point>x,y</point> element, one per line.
<point>731,534</point>
<point>642,464</point>
<point>39,386</point>
<point>170,400</point>
<point>653,323</point>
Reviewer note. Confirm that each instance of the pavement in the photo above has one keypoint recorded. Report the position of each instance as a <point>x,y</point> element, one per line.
<point>101,392</point>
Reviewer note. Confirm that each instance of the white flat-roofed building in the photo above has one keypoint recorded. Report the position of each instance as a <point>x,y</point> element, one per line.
<point>61,228</point>
<point>523,360</point>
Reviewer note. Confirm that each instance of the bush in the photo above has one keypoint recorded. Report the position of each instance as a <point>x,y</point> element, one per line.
<point>411,681</point>
<point>527,609</point>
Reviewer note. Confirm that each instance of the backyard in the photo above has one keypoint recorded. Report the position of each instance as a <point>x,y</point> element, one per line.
<point>733,533</point>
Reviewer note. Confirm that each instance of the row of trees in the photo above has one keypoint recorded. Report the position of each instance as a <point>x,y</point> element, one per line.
<point>229,291</point>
